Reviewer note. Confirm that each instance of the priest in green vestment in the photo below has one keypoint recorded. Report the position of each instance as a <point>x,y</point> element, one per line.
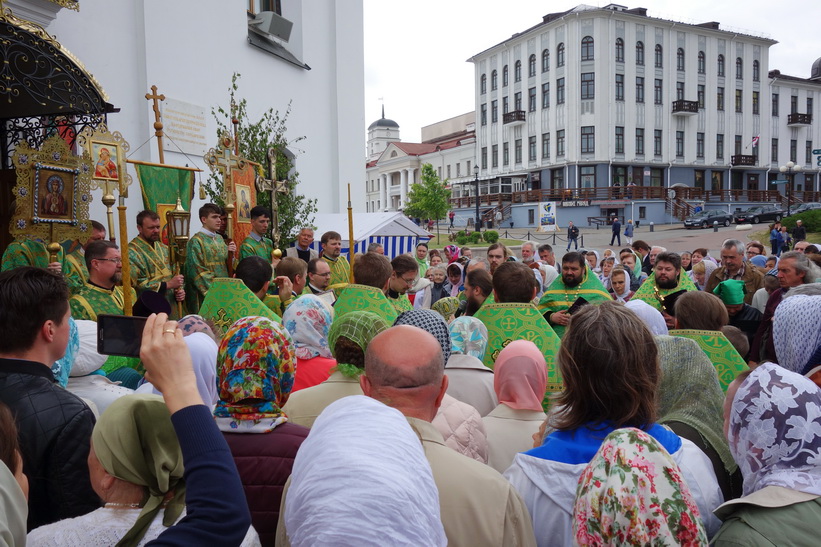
<point>229,300</point>
<point>332,254</point>
<point>31,252</point>
<point>514,317</point>
<point>372,273</point>
<point>150,267</point>
<point>205,257</point>
<point>103,293</point>
<point>577,281</point>
<point>405,272</point>
<point>667,277</point>
<point>76,270</point>
<point>256,244</point>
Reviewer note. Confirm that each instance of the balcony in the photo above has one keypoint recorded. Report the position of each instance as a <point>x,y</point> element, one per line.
<point>515,117</point>
<point>685,108</point>
<point>797,120</point>
<point>743,160</point>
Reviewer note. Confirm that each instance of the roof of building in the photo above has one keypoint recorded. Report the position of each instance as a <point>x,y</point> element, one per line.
<point>383,122</point>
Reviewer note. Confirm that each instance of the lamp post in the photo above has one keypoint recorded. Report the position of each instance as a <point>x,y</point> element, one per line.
<point>790,169</point>
<point>476,223</point>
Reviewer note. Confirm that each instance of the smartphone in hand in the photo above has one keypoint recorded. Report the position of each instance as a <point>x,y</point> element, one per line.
<point>120,335</point>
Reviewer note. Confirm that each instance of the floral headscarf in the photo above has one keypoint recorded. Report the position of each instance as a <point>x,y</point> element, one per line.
<point>308,319</point>
<point>195,323</point>
<point>453,252</point>
<point>520,376</point>
<point>797,314</point>
<point>775,430</point>
<point>430,321</point>
<point>446,307</point>
<point>255,367</point>
<point>632,493</point>
<point>468,336</point>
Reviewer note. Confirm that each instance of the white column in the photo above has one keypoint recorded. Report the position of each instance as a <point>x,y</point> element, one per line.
<point>403,187</point>
<point>383,186</point>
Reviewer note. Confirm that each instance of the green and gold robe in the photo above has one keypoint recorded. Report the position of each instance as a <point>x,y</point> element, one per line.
<point>650,293</point>
<point>721,352</point>
<point>401,304</point>
<point>558,297</point>
<point>93,301</point>
<point>150,269</point>
<point>29,252</point>
<point>340,269</point>
<point>364,298</point>
<point>75,270</point>
<point>204,261</point>
<point>262,247</point>
<point>229,300</point>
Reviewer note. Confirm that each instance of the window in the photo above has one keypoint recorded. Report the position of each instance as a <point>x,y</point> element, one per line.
<point>483,84</point>
<point>639,89</point>
<point>531,99</point>
<point>560,142</point>
<point>588,143</point>
<point>720,98</point>
<point>659,56</point>
<point>531,148</point>
<point>494,111</point>
<point>640,141</point>
<point>484,159</point>
<point>557,178</point>
<point>494,80</point>
<point>720,68</point>
<point>809,106</point>
<point>494,157</point>
<point>560,91</point>
<point>560,54</point>
<point>505,154</point>
<point>701,93</point>
<point>619,140</point>
<point>808,153</point>
<point>739,99</point>
<point>545,60</point>
<point>588,87</point>
<point>755,102</point>
<point>700,145</point>
<point>588,176</point>
<point>702,63</point>
<point>619,87</point>
<point>517,150</point>
<point>458,169</point>
<point>517,100</point>
<point>468,167</point>
<point>639,53</point>
<point>657,142</point>
<point>483,116</point>
<point>737,148</point>
<point>505,105</point>
<point>793,150</point>
<point>680,59</point>
<point>619,50</point>
<point>484,151</point>
<point>657,92</point>
<point>756,71</point>
<point>679,91</point>
<point>739,69</point>
<point>517,71</point>
<point>587,48</point>
<point>642,212</point>
<point>504,76</point>
<point>774,151</point>
<point>680,144</point>
<point>719,146</point>
<point>545,146</point>
<point>793,104</point>
<point>775,104</point>
<point>531,66</point>
<point>546,95</point>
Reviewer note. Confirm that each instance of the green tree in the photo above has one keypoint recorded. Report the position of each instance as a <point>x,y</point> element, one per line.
<point>430,198</point>
<point>255,138</point>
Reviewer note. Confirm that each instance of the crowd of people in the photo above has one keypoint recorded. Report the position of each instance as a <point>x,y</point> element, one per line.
<point>629,396</point>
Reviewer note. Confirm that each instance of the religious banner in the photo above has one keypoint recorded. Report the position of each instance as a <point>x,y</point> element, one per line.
<point>161,185</point>
<point>245,193</point>
<point>547,216</point>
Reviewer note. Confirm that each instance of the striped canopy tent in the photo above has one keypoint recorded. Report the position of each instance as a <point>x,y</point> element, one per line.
<point>396,232</point>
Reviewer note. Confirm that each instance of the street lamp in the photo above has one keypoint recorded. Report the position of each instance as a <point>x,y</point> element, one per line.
<point>477,222</point>
<point>790,169</point>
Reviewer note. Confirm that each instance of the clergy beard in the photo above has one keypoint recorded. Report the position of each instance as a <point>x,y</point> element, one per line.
<point>571,281</point>
<point>666,283</point>
<point>473,305</point>
<point>116,278</point>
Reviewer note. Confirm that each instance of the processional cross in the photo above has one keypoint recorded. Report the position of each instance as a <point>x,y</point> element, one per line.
<point>153,96</point>
<point>224,160</point>
<point>275,187</point>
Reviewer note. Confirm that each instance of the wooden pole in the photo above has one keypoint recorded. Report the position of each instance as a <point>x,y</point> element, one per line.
<point>127,304</point>
<point>351,242</point>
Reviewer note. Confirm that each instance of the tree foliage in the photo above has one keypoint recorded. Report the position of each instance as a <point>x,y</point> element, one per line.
<point>255,138</point>
<point>430,198</point>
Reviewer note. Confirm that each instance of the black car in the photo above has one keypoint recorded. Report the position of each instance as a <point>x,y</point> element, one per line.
<point>805,207</point>
<point>757,214</point>
<point>705,219</point>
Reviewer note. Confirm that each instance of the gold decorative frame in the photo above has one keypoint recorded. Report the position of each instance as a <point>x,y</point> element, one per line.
<point>92,141</point>
<point>37,170</point>
<point>242,194</point>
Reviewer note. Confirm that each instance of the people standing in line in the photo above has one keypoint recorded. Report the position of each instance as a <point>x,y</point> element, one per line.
<point>616,230</point>
<point>572,236</point>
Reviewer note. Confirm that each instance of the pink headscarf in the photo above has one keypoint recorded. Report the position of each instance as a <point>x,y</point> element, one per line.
<point>520,376</point>
<point>453,253</point>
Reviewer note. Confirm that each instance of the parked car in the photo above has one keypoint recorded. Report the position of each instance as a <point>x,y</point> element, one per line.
<point>705,219</point>
<point>805,207</point>
<point>757,214</point>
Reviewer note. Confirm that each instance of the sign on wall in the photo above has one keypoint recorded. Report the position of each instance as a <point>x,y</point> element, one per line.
<point>185,126</point>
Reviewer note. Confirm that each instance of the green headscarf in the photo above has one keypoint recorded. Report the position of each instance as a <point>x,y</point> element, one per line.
<point>446,307</point>
<point>360,327</point>
<point>731,292</point>
<point>135,441</point>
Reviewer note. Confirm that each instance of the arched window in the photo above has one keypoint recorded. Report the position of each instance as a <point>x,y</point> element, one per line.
<point>494,80</point>
<point>531,66</point>
<point>739,69</point>
<point>545,60</point>
<point>619,50</point>
<point>659,56</point>
<point>756,71</point>
<point>483,84</point>
<point>640,53</point>
<point>680,59</point>
<point>505,76</point>
<point>587,48</point>
<point>560,54</point>
<point>517,71</point>
<point>702,62</point>
<point>721,66</point>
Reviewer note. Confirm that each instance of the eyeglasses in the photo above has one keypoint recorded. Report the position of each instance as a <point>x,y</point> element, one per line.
<point>408,282</point>
<point>114,260</point>
<point>323,274</point>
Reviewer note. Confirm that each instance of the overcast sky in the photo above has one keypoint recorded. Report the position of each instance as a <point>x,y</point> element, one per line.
<point>416,52</point>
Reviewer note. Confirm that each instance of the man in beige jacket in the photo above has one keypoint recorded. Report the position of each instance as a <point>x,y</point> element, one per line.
<point>478,506</point>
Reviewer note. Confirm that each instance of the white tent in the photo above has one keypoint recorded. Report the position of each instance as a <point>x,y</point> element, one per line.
<point>396,232</point>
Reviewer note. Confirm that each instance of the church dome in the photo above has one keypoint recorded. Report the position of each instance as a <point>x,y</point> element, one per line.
<point>383,122</point>
<point>815,72</point>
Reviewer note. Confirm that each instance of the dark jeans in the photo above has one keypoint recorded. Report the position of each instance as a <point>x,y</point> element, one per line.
<point>574,241</point>
<point>615,236</point>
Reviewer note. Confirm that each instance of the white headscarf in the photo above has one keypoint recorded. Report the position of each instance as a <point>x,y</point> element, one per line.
<point>87,360</point>
<point>13,509</point>
<point>797,332</point>
<point>649,315</point>
<point>361,478</point>
<point>203,351</point>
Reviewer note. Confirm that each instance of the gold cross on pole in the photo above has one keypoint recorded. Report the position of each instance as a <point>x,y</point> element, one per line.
<point>153,96</point>
<point>275,187</point>
<point>223,160</point>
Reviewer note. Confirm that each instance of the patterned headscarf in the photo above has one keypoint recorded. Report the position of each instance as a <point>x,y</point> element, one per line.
<point>308,319</point>
<point>62,368</point>
<point>649,315</point>
<point>430,321</point>
<point>468,336</point>
<point>446,307</point>
<point>360,327</point>
<point>195,323</point>
<point>520,376</point>
<point>632,493</point>
<point>255,368</point>
<point>775,430</point>
<point>797,332</point>
<point>454,253</point>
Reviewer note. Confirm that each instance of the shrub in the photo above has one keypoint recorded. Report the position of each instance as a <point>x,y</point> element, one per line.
<point>491,236</point>
<point>462,240</point>
<point>475,237</point>
<point>811,220</point>
<point>461,233</point>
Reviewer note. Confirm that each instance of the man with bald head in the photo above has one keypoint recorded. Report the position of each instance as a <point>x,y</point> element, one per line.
<point>478,506</point>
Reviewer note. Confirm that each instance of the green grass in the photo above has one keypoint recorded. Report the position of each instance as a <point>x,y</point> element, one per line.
<point>764,237</point>
<point>440,242</point>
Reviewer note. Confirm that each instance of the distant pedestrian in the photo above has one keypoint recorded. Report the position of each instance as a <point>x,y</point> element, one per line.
<point>785,240</point>
<point>499,217</point>
<point>628,232</point>
<point>775,237</point>
<point>799,233</point>
<point>616,229</point>
<point>451,216</point>
<point>572,236</point>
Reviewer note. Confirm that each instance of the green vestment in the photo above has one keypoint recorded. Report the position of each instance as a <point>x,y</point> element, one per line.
<point>719,350</point>
<point>229,300</point>
<point>204,260</point>
<point>150,268</point>
<point>93,301</point>
<point>401,304</point>
<point>251,247</point>
<point>340,269</point>
<point>75,270</point>
<point>559,297</point>
<point>364,298</point>
<point>650,293</point>
<point>28,252</point>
